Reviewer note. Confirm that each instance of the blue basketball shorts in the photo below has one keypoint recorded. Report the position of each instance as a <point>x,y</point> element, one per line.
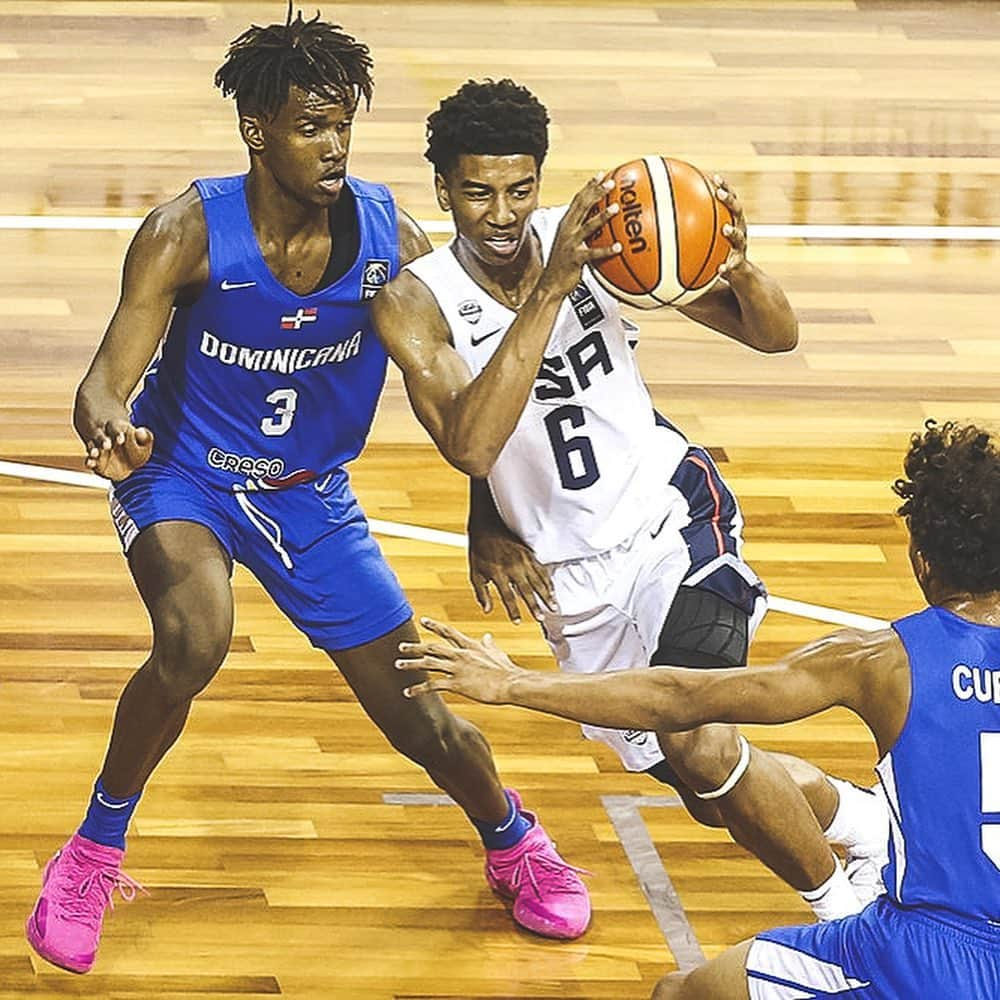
<point>883,953</point>
<point>308,545</point>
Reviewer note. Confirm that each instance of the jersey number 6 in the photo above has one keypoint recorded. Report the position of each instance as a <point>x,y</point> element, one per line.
<point>574,456</point>
<point>284,402</point>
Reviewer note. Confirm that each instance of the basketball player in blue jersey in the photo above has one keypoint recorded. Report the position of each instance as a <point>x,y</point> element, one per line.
<point>521,367</point>
<point>929,690</point>
<point>235,449</point>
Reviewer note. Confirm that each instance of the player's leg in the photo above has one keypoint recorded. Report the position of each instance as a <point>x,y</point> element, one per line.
<point>334,583</point>
<point>458,760</point>
<point>702,629</point>
<point>182,573</point>
<point>454,753</point>
<point>183,576</point>
<point>724,978</point>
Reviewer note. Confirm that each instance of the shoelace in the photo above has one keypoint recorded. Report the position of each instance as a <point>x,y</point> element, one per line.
<point>557,873</point>
<point>91,888</point>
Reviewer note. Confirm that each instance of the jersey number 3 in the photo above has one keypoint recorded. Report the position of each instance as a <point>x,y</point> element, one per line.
<point>284,402</point>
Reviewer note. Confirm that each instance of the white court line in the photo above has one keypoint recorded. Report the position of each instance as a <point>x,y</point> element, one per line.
<point>454,539</point>
<point>838,233</point>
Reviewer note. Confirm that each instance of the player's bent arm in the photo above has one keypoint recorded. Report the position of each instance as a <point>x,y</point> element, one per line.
<point>748,306</point>
<point>469,419</point>
<point>167,256</point>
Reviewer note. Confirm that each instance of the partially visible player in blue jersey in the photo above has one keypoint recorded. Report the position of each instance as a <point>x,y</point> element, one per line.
<point>929,690</point>
<point>234,450</point>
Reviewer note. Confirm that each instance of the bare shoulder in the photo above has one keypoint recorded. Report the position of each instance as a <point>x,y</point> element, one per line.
<point>876,675</point>
<point>406,312</point>
<point>173,241</point>
<point>413,242</point>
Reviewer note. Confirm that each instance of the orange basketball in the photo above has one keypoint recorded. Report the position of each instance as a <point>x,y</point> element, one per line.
<point>670,228</point>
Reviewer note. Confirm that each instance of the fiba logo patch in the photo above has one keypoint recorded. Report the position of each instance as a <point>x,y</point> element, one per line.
<point>373,277</point>
<point>637,737</point>
<point>470,310</point>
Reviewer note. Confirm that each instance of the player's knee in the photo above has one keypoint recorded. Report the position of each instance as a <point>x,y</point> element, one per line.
<point>670,987</point>
<point>440,742</point>
<point>704,758</point>
<point>187,654</point>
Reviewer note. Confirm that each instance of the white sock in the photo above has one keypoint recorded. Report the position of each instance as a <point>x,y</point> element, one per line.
<point>861,822</point>
<point>834,898</point>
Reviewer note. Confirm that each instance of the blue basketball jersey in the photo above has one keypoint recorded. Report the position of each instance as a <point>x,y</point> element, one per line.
<point>942,776</point>
<point>257,387</point>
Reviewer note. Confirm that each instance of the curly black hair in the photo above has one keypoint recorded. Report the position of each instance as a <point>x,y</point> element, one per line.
<point>491,117</point>
<point>951,502</point>
<point>319,57</point>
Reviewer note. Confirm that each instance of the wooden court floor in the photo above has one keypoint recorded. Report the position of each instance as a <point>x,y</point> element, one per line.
<point>281,842</point>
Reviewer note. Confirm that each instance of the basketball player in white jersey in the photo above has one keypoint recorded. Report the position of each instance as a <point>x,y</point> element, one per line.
<point>520,367</point>
<point>929,690</point>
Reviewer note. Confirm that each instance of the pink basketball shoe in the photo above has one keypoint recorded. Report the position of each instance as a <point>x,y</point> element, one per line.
<point>549,896</point>
<point>77,885</point>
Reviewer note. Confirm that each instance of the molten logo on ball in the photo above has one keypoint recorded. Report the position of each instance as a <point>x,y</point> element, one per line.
<point>631,213</point>
<point>670,229</point>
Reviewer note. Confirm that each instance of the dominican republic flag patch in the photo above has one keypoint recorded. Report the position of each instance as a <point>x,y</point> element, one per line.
<point>300,316</point>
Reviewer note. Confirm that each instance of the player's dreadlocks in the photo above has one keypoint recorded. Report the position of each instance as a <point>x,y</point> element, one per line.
<point>497,118</point>
<point>951,501</point>
<point>314,55</point>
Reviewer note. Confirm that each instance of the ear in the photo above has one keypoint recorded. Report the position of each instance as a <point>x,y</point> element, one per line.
<point>441,190</point>
<point>252,133</point>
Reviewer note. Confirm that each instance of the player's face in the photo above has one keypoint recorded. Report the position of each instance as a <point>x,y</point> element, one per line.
<point>491,199</point>
<point>305,146</point>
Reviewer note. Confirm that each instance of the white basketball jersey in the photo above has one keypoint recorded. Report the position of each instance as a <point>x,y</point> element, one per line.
<point>587,465</point>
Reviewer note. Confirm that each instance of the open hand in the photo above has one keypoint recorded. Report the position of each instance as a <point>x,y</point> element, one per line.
<point>117,449</point>
<point>479,670</point>
<point>581,221</point>
<point>736,231</point>
<point>499,558</point>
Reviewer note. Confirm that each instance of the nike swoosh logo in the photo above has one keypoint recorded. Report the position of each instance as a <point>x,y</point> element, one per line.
<point>110,805</point>
<point>507,825</point>
<point>663,524</point>
<point>476,341</point>
<point>228,286</point>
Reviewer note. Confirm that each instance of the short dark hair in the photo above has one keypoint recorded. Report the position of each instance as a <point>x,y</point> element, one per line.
<point>951,502</point>
<point>319,57</point>
<point>497,118</point>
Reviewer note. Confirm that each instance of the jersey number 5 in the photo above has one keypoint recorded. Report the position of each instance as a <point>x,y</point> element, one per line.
<point>284,402</point>
<point>989,755</point>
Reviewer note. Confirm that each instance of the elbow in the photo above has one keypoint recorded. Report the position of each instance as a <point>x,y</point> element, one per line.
<point>781,338</point>
<point>475,462</point>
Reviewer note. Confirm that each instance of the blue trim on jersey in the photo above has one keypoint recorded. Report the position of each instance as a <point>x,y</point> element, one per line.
<point>256,382</point>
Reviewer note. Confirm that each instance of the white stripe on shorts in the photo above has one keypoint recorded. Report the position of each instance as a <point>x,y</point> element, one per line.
<point>773,968</point>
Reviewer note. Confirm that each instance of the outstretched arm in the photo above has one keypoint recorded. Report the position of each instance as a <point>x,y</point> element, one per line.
<point>470,419</point>
<point>746,304</point>
<point>850,668</point>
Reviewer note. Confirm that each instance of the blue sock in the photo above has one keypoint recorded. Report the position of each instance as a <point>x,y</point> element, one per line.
<point>107,817</point>
<point>509,831</point>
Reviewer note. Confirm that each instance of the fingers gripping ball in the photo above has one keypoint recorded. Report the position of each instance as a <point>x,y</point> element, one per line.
<point>670,228</point>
